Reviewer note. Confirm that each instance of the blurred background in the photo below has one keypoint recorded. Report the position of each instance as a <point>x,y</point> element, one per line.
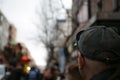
<point>36,24</point>
<point>41,33</point>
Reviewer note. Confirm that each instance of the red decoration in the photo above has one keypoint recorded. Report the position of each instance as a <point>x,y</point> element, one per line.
<point>25,59</point>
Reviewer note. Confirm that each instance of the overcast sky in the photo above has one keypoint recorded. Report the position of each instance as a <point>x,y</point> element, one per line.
<point>21,14</point>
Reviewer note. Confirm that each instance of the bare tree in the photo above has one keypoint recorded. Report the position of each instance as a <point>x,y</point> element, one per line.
<point>48,31</point>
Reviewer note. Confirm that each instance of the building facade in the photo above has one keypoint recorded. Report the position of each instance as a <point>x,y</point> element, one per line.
<point>4,25</point>
<point>96,12</point>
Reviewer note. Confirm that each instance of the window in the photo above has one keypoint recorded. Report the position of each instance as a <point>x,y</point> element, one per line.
<point>117,5</point>
<point>100,4</point>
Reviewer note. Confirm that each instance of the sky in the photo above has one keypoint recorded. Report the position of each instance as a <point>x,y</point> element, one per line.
<point>21,14</point>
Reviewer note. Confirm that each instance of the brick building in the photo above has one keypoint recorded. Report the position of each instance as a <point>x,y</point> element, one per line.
<point>96,12</point>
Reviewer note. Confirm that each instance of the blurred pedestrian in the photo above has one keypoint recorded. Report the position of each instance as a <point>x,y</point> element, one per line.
<point>16,72</point>
<point>39,74</point>
<point>72,72</point>
<point>33,74</point>
<point>99,53</point>
<point>49,74</point>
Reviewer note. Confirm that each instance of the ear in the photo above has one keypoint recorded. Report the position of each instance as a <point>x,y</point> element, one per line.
<point>81,60</point>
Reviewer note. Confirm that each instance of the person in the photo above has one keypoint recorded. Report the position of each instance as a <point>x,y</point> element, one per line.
<point>16,72</point>
<point>99,53</point>
<point>49,74</point>
<point>33,74</point>
<point>72,72</point>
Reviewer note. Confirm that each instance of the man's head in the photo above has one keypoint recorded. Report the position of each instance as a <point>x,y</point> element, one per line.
<point>100,43</point>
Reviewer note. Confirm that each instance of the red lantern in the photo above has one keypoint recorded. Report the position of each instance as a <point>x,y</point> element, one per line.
<point>25,59</point>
